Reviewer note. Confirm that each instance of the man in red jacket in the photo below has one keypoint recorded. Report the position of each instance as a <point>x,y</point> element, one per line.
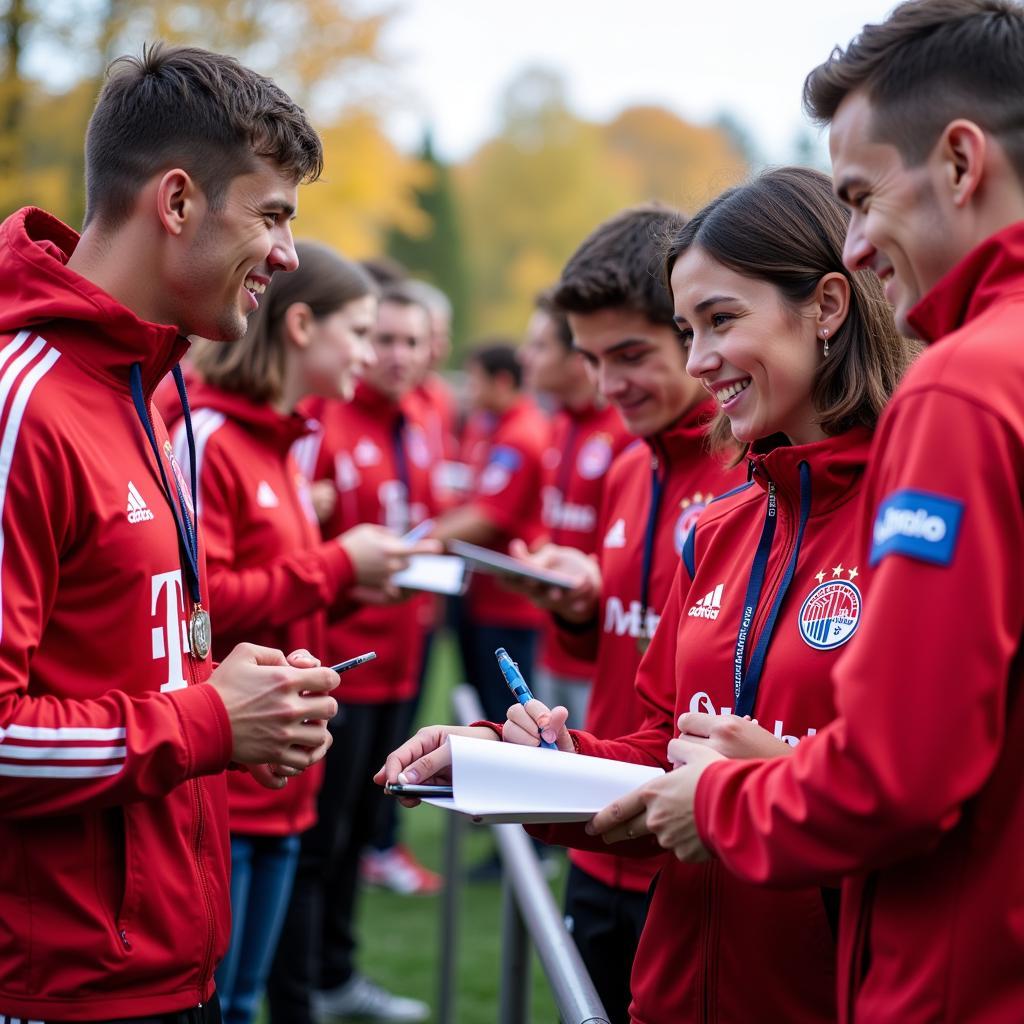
<point>913,793</point>
<point>115,729</point>
<point>587,433</point>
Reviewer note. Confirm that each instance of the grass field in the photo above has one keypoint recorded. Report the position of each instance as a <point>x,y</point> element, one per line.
<point>399,934</point>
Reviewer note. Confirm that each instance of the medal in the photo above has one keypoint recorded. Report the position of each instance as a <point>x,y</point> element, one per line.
<point>199,632</point>
<point>642,643</point>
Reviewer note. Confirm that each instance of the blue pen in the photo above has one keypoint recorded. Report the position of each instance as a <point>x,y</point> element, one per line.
<point>517,684</point>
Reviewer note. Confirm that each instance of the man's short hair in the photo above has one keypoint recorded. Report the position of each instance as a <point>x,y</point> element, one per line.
<point>928,63</point>
<point>619,266</point>
<point>180,106</point>
<point>402,295</point>
<point>496,357</point>
<point>545,302</point>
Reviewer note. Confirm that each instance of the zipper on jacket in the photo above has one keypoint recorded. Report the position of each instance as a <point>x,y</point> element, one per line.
<point>206,971</point>
<point>707,943</point>
<point>768,594</point>
<point>123,936</point>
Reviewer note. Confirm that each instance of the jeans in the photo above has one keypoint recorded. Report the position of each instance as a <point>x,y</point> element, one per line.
<point>262,871</point>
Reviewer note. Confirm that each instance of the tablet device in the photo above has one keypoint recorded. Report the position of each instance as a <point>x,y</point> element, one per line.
<point>497,564</point>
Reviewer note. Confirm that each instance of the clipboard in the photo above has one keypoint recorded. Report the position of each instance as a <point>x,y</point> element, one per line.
<point>494,563</point>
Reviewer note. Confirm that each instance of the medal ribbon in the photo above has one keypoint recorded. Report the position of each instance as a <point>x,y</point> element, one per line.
<point>182,520</point>
<point>745,683</point>
<point>652,522</point>
<point>402,466</point>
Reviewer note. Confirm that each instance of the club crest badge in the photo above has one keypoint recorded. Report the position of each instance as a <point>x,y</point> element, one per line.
<point>595,457</point>
<point>691,509</point>
<point>830,613</point>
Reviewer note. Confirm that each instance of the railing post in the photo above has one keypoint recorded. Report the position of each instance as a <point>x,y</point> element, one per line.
<point>450,899</point>
<point>514,992</point>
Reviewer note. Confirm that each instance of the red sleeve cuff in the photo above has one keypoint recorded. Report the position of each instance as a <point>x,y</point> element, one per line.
<point>341,573</point>
<point>207,728</point>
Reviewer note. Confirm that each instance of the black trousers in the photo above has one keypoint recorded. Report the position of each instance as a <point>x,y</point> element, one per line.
<point>606,924</point>
<point>207,1013</point>
<point>317,946</point>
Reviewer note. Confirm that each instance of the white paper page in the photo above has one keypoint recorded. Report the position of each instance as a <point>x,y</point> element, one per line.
<point>505,782</point>
<point>438,574</point>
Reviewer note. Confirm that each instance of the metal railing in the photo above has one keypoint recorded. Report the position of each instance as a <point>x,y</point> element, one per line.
<point>529,913</point>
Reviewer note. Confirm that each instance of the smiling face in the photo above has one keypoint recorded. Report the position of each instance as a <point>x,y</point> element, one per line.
<point>753,352</point>
<point>338,349</point>
<point>216,281</point>
<point>640,367</point>
<point>899,226</point>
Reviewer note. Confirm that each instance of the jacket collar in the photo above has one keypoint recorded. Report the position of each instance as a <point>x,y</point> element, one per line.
<point>276,429</point>
<point>679,440</point>
<point>38,289</point>
<point>988,273</point>
<point>836,465</point>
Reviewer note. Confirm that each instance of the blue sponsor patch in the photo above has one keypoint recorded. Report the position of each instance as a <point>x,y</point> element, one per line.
<point>917,524</point>
<point>507,458</point>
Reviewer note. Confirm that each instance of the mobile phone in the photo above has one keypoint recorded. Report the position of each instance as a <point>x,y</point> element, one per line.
<point>403,789</point>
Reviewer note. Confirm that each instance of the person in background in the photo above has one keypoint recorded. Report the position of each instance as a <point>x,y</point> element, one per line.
<point>272,579</point>
<point>621,317</point>
<point>386,861</point>
<point>376,455</point>
<point>505,439</point>
<point>117,728</point>
<point>912,795</point>
<point>587,434</point>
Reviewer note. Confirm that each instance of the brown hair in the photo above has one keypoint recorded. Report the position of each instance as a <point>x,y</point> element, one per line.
<point>180,106</point>
<point>619,266</point>
<point>787,228</point>
<point>255,365</point>
<point>545,302</point>
<point>928,63</point>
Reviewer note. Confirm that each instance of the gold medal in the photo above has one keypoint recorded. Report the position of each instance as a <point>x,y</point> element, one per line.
<point>642,643</point>
<point>199,632</point>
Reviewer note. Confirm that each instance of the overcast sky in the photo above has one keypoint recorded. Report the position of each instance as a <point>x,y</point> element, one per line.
<point>750,57</point>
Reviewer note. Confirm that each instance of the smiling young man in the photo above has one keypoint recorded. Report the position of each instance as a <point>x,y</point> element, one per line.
<point>913,794</point>
<point>115,729</point>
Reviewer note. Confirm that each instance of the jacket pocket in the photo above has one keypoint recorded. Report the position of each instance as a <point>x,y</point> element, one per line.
<point>860,953</point>
<point>113,870</point>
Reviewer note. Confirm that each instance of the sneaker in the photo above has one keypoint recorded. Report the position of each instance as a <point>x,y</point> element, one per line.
<point>362,999</point>
<point>398,870</point>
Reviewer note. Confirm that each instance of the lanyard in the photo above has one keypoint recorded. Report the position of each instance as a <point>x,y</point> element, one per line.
<point>746,678</point>
<point>652,523</point>
<point>182,520</point>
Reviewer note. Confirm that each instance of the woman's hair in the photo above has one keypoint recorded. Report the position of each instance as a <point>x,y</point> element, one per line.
<point>255,365</point>
<point>787,228</point>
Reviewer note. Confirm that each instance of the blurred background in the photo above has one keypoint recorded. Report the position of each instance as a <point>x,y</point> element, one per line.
<point>475,142</point>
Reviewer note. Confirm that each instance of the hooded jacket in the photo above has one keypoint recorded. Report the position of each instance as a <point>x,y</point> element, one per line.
<point>676,463</point>
<point>799,511</point>
<point>915,789</point>
<point>375,451</point>
<point>271,576</point>
<point>584,443</point>
<point>113,839</point>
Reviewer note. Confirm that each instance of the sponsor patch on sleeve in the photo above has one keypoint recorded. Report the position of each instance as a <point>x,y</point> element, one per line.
<point>917,524</point>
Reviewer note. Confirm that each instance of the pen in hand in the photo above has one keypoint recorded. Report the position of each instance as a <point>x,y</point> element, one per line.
<point>359,659</point>
<point>517,684</point>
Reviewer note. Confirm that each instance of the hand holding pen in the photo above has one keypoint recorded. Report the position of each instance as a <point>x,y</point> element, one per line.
<point>530,721</point>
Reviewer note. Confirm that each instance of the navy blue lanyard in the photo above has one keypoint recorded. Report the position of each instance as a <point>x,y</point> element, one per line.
<point>652,524</point>
<point>745,683</point>
<point>182,520</point>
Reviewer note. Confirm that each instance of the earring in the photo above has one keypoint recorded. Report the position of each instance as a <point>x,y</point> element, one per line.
<point>824,351</point>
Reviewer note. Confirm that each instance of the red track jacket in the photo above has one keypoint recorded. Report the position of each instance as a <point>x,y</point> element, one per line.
<point>271,576</point>
<point>584,443</point>
<point>917,784</point>
<point>505,454</point>
<point>690,478</point>
<point>113,816</point>
<point>377,455</point>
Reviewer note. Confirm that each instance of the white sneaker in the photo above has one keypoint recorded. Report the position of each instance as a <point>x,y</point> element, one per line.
<point>363,999</point>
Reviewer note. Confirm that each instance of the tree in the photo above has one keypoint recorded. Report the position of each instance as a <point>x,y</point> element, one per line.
<point>434,252</point>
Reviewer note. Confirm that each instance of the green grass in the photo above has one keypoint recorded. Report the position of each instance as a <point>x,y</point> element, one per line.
<point>399,935</point>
